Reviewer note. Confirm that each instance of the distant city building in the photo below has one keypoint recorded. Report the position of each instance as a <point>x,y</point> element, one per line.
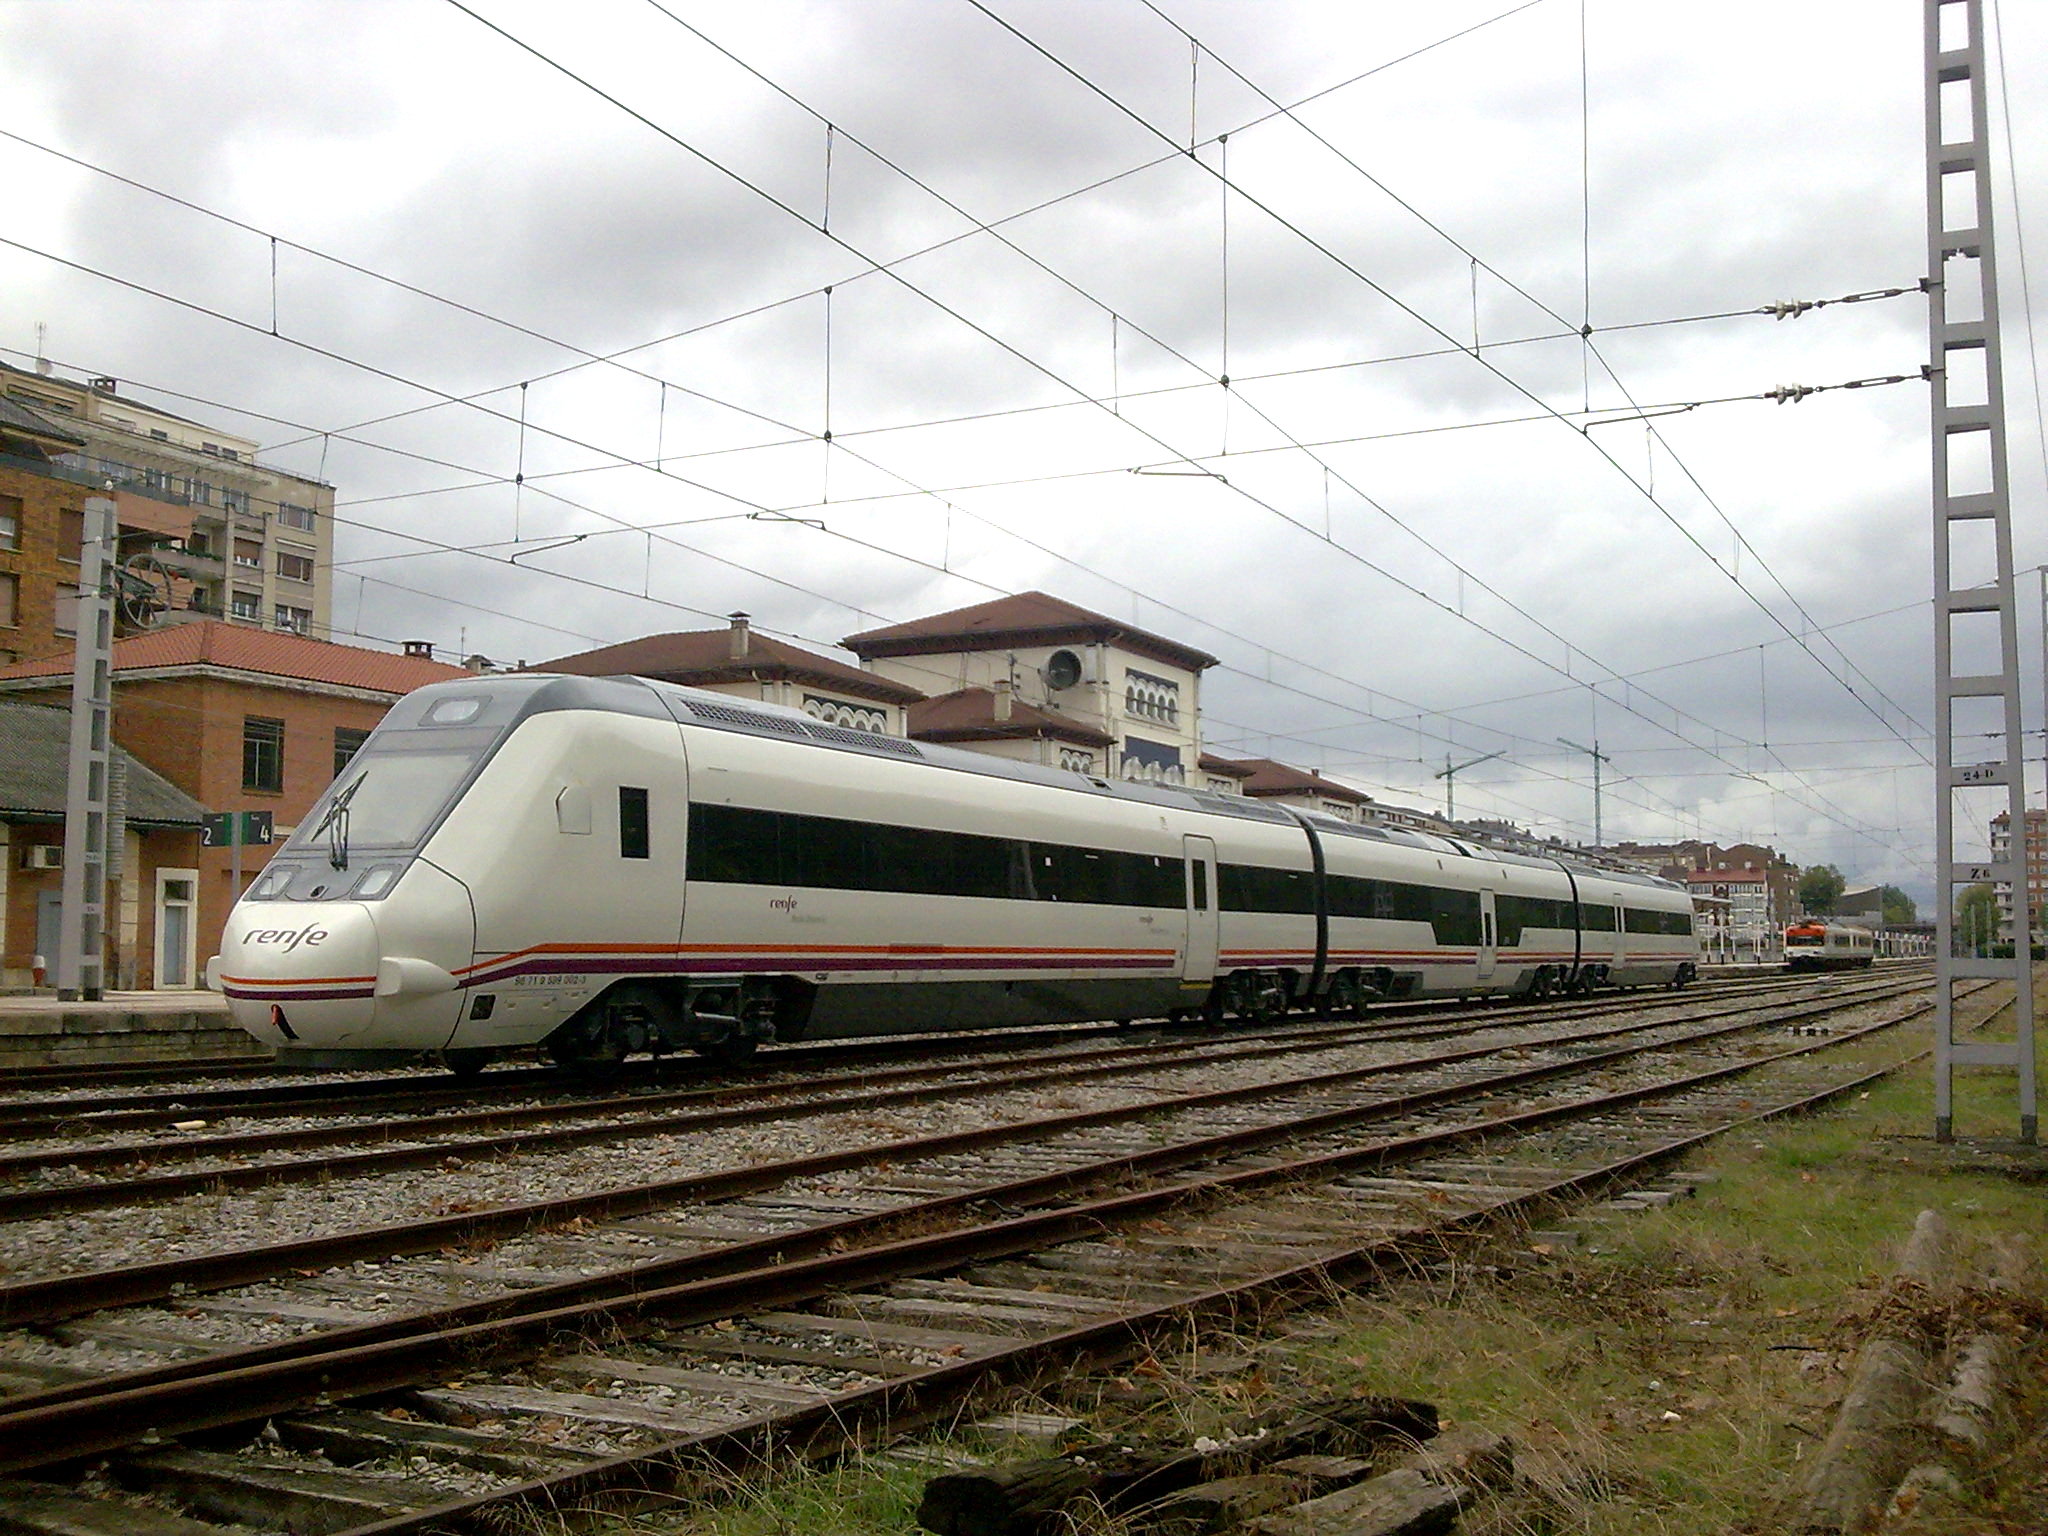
<point>740,661</point>
<point>2036,854</point>
<point>206,530</point>
<point>1222,775</point>
<point>1305,789</point>
<point>1681,860</point>
<point>1039,677</point>
<point>1736,909</point>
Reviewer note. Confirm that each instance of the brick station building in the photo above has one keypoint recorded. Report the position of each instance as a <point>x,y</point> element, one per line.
<point>239,719</point>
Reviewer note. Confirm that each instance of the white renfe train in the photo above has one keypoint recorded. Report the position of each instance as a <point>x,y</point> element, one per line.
<point>609,865</point>
<point>1815,944</point>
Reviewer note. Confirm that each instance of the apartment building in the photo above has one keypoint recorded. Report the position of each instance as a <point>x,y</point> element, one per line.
<point>2035,850</point>
<point>214,534</point>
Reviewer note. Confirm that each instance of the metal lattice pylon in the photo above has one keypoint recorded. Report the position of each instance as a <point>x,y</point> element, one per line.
<point>1971,497</point>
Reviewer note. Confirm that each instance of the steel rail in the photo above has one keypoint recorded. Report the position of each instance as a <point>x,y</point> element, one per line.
<point>68,1295</point>
<point>94,1417</point>
<point>847,1420</point>
<point>630,1118</point>
<point>21,1119</point>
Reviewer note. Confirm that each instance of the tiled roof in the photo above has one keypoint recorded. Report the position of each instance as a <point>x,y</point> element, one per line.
<point>1270,778</point>
<point>237,648</point>
<point>970,715</point>
<point>1225,767</point>
<point>19,419</point>
<point>35,760</point>
<point>702,656</point>
<point>1029,618</point>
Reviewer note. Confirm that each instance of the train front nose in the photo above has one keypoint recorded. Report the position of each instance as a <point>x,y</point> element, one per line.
<point>300,975</point>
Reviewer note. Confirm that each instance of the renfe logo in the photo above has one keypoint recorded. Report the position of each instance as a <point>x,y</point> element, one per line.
<point>288,939</point>
<point>782,904</point>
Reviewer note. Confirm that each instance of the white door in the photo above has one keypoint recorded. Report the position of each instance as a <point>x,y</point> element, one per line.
<point>1487,939</point>
<point>1200,856</point>
<point>177,927</point>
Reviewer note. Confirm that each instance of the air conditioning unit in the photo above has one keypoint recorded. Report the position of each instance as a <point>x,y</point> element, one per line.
<point>43,856</point>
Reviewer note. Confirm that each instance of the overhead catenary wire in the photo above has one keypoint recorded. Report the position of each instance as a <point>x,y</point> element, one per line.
<point>1351,268</point>
<point>1179,456</point>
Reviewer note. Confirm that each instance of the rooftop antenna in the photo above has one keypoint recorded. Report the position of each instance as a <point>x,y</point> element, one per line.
<point>42,346</point>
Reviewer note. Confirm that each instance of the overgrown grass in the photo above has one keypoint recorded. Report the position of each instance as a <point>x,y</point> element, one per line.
<point>1668,1375</point>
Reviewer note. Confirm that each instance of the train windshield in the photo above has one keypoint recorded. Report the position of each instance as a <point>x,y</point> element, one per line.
<point>393,791</point>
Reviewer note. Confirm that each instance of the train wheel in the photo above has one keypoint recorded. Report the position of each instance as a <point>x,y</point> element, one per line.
<point>468,1063</point>
<point>1346,998</point>
<point>733,1051</point>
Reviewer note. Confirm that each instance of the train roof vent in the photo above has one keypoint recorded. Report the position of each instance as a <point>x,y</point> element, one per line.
<point>747,719</point>
<point>867,741</point>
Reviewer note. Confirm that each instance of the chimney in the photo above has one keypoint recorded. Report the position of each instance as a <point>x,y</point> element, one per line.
<point>107,386</point>
<point>479,664</point>
<point>738,638</point>
<point>422,649</point>
<point>1002,704</point>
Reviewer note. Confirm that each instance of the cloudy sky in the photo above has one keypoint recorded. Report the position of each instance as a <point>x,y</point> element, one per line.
<point>649,253</point>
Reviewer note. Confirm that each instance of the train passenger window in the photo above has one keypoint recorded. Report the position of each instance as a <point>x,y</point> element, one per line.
<point>633,840</point>
<point>1594,918</point>
<point>1201,874</point>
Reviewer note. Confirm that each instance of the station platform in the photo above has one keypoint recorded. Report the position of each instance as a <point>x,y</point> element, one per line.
<point>41,1030</point>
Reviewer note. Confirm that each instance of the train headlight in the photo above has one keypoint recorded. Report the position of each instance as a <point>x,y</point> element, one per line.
<point>377,879</point>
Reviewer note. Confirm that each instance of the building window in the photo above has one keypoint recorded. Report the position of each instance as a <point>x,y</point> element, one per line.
<point>199,493</point>
<point>1151,698</point>
<point>160,434</point>
<point>852,717</point>
<point>294,567</point>
<point>71,535</point>
<point>234,501</point>
<point>262,754</point>
<point>1151,762</point>
<point>10,599</point>
<point>294,621</point>
<point>347,742</point>
<point>290,516</point>
<point>66,620</point>
<point>247,605</point>
<point>10,522</point>
<point>249,554</point>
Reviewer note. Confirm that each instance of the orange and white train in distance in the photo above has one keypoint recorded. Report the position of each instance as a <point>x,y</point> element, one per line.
<point>599,866</point>
<point>1819,944</point>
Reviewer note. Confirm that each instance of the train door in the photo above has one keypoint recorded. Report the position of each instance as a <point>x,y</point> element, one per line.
<point>1489,935</point>
<point>1200,857</point>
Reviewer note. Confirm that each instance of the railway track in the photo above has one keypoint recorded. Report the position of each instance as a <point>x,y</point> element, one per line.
<point>107,1100</point>
<point>832,1294</point>
<point>94,1167</point>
